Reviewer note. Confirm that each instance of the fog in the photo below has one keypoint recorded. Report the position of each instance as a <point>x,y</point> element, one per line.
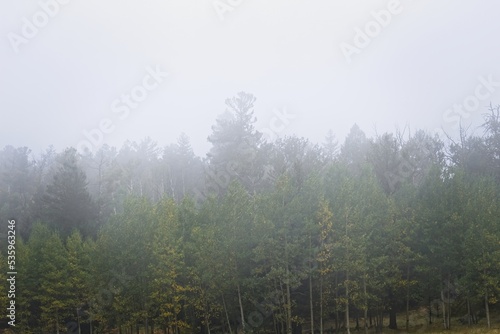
<point>237,166</point>
<point>67,67</point>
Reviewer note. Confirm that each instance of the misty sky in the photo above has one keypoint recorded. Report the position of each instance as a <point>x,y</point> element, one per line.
<point>313,59</point>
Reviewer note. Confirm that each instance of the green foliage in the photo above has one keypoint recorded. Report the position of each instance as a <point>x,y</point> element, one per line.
<point>68,205</point>
<point>385,225</point>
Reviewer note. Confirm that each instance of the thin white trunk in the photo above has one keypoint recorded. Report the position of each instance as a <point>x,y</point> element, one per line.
<point>468,312</point>
<point>407,298</point>
<point>347,324</point>
<point>366,304</point>
<point>321,305</point>
<point>311,302</point>
<point>78,320</point>
<point>227,315</point>
<point>283,311</point>
<point>241,310</point>
<point>288,304</point>
<point>487,308</point>
<point>207,317</point>
<point>443,306</point>
<point>449,306</point>
<point>287,286</point>
<point>337,315</point>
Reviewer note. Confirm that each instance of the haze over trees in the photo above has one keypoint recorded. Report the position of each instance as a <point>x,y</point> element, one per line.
<point>284,236</point>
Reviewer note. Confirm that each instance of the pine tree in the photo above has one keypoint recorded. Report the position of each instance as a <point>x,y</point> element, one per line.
<point>17,187</point>
<point>330,147</point>
<point>48,279</point>
<point>68,205</point>
<point>169,291</point>
<point>79,257</point>
<point>235,153</point>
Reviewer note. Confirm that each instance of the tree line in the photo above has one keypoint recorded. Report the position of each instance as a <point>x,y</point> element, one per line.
<point>282,237</point>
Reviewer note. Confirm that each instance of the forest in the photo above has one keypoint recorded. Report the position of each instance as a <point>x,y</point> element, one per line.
<point>283,237</point>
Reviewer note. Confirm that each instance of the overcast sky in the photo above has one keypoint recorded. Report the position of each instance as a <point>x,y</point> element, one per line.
<point>68,66</point>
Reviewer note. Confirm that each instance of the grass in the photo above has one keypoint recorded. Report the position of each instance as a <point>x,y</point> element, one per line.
<point>419,324</point>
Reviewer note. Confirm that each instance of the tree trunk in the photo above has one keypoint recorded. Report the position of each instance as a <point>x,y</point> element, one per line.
<point>365,315</point>
<point>468,311</point>
<point>287,286</point>
<point>381,320</point>
<point>337,315</point>
<point>393,317</point>
<point>448,315</point>
<point>241,310</point>
<point>207,320</point>
<point>288,305</point>
<point>443,306</point>
<point>449,305</point>
<point>430,310</point>
<point>408,298</point>
<point>487,309</point>
<point>78,321</point>
<point>347,280</point>
<point>57,322</point>
<point>283,309</point>
<point>227,315</point>
<point>321,305</point>
<point>311,302</point>
<point>347,324</point>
